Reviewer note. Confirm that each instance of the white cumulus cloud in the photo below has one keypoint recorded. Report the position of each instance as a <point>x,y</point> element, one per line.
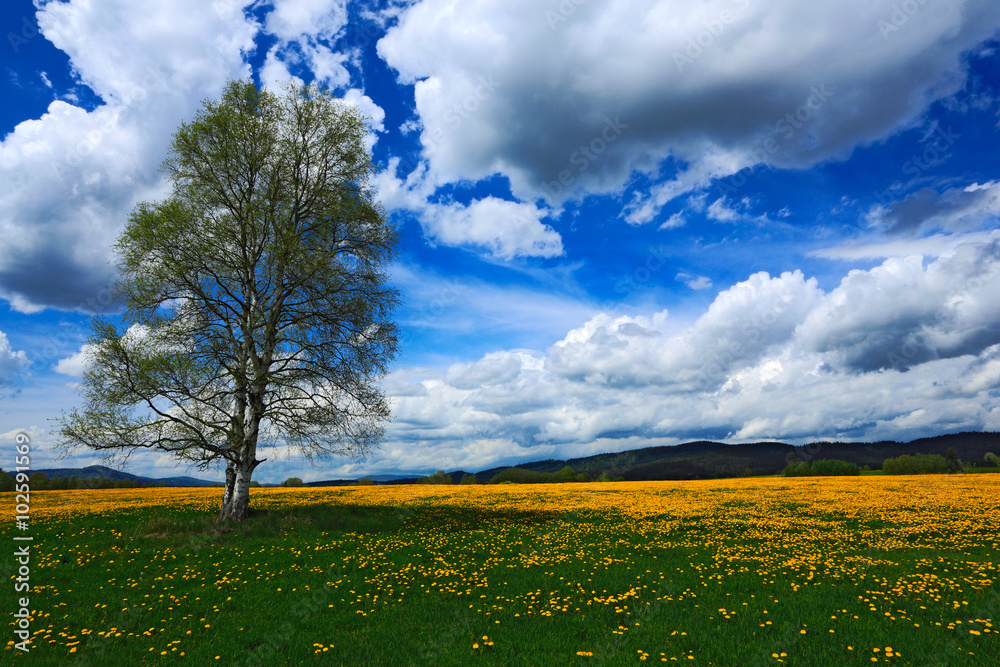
<point>719,85</point>
<point>69,179</point>
<point>506,229</point>
<point>75,364</point>
<point>13,364</point>
<point>771,357</point>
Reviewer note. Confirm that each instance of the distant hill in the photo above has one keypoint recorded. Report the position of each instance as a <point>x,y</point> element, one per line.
<point>350,482</point>
<point>103,471</point>
<point>708,460</point>
<point>704,459</point>
<point>330,482</point>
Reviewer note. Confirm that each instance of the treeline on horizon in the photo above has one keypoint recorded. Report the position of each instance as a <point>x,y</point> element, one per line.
<point>517,476</point>
<point>905,464</point>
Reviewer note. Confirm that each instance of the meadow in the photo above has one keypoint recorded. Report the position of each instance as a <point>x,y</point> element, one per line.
<point>754,571</point>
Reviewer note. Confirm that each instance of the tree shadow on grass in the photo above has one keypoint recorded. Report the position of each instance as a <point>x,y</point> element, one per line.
<point>195,531</point>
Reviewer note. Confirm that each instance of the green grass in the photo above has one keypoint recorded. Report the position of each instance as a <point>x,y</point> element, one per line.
<point>445,576</point>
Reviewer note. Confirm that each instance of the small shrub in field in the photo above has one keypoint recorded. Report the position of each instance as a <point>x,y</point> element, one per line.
<point>797,469</point>
<point>440,477</point>
<point>917,464</point>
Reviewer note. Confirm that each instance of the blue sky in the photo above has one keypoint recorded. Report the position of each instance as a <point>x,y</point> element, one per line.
<point>622,225</point>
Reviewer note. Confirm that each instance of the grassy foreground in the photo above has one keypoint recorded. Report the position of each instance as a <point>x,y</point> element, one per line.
<point>764,571</point>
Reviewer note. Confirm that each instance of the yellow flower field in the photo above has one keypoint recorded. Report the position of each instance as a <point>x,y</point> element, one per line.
<point>849,567</point>
<point>971,494</point>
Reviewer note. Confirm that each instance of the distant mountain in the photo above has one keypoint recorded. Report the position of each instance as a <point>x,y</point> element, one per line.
<point>456,477</point>
<point>389,478</point>
<point>103,471</point>
<point>385,479</point>
<point>702,459</point>
<point>705,459</point>
<point>330,482</point>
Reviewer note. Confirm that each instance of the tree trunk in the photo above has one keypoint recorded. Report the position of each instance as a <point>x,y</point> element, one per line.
<point>227,495</point>
<point>236,498</point>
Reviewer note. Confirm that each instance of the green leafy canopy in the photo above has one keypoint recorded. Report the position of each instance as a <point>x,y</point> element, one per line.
<point>256,305</point>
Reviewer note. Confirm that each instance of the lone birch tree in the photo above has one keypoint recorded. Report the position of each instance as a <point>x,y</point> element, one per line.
<point>256,308</point>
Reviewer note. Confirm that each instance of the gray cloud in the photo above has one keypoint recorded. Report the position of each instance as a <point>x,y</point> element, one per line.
<point>55,276</point>
<point>902,314</point>
<point>607,89</point>
<point>954,210</point>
